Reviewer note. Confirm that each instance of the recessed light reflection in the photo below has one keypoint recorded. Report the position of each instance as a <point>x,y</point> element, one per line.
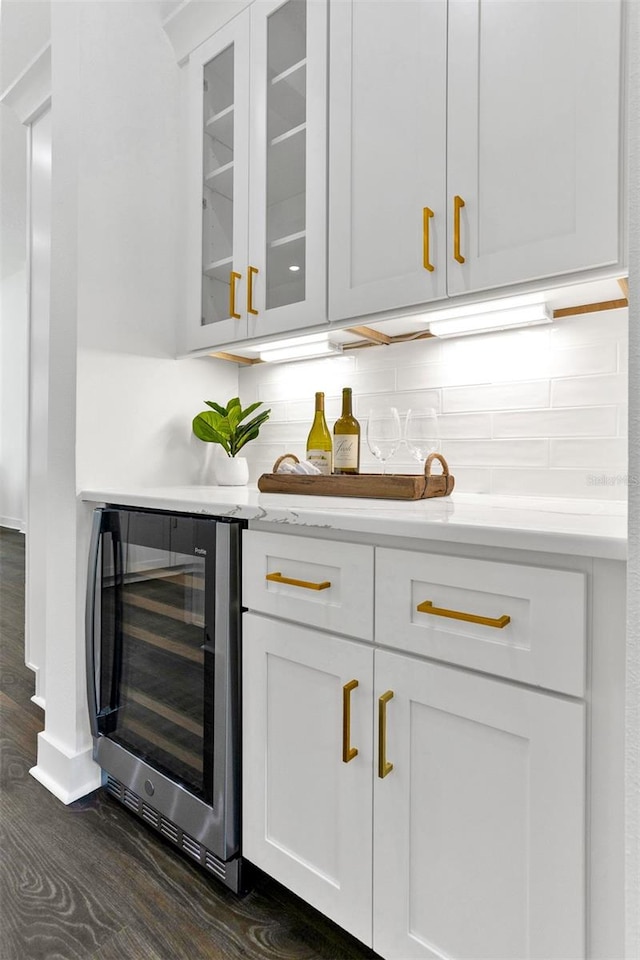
<point>294,267</point>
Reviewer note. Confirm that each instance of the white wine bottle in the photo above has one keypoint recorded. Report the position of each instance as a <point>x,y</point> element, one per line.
<point>346,439</point>
<point>319,446</point>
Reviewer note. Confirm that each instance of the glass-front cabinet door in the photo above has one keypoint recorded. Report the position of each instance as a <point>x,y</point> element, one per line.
<point>258,175</point>
<point>287,213</point>
<point>218,186</point>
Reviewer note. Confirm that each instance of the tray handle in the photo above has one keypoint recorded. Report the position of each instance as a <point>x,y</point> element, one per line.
<point>429,461</point>
<point>285,456</point>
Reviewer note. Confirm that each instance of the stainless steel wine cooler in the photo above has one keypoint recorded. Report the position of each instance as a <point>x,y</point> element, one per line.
<point>163,676</point>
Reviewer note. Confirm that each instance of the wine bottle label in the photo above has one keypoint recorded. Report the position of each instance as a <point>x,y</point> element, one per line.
<point>320,459</point>
<point>345,453</point>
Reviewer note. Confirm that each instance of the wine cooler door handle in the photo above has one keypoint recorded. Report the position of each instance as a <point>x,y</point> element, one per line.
<point>116,667</point>
<point>91,640</point>
<point>104,521</point>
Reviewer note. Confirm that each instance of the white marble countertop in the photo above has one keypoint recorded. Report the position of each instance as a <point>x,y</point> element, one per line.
<point>590,528</point>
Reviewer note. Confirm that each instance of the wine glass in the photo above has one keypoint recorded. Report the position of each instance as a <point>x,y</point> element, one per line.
<point>384,433</point>
<point>421,433</point>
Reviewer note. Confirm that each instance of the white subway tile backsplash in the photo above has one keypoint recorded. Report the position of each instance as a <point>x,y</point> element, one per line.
<point>587,391</point>
<point>287,432</point>
<point>623,355</point>
<point>589,328</point>
<point>471,479</point>
<point>279,412</point>
<point>600,454</point>
<point>464,425</point>
<point>429,375</point>
<point>623,421</point>
<point>569,422</point>
<point>371,381</point>
<point>404,354</point>
<point>581,360</point>
<point>303,410</point>
<point>537,412</point>
<point>486,453</point>
<point>499,357</point>
<point>412,400</point>
<point>496,396</point>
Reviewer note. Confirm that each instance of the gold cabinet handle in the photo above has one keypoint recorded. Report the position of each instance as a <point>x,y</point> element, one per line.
<point>458,204</point>
<point>348,752</point>
<point>307,584</point>
<point>426,216</point>
<point>252,272</point>
<point>384,767</point>
<point>233,276</point>
<point>427,607</point>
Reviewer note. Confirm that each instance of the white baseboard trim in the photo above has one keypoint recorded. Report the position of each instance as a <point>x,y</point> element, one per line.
<point>38,697</point>
<point>67,776</point>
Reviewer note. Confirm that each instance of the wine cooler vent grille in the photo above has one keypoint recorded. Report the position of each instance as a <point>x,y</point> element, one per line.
<point>167,828</point>
<point>191,846</point>
<point>150,815</point>
<point>215,865</point>
<point>131,800</point>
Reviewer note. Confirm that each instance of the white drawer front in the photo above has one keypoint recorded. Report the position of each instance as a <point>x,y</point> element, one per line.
<point>344,606</point>
<point>543,642</point>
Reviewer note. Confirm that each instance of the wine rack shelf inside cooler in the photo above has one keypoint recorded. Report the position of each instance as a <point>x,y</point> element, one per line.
<point>161,691</point>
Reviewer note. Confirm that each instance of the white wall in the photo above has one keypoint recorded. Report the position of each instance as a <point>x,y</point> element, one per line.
<point>539,412</point>
<point>134,418</point>
<point>13,318</point>
<point>135,402</point>
<point>13,398</point>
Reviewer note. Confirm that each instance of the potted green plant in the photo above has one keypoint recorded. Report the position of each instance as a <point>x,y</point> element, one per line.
<point>229,427</point>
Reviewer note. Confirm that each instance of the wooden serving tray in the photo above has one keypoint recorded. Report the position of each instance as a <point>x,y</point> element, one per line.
<point>393,486</point>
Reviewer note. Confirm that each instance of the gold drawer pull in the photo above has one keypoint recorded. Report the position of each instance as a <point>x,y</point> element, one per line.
<point>426,262</point>
<point>348,752</point>
<point>307,584</point>
<point>427,607</point>
<point>384,767</point>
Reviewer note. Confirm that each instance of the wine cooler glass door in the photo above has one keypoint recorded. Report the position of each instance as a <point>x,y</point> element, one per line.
<point>155,682</point>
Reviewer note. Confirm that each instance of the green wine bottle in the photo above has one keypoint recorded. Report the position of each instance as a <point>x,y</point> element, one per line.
<point>319,446</point>
<point>346,442</point>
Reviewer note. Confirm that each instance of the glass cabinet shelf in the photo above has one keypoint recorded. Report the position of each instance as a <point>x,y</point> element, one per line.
<point>221,180</point>
<point>286,167</point>
<point>220,127</point>
<point>219,270</point>
<point>287,100</point>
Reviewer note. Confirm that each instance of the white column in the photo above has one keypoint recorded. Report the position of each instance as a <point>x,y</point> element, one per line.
<point>632,718</point>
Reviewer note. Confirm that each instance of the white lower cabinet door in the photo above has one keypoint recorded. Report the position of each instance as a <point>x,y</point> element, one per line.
<point>479,825</point>
<point>307,814</point>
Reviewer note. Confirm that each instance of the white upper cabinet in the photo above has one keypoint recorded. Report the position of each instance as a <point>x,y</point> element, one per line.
<point>257,178</point>
<point>474,144</point>
<point>533,130</point>
<point>387,162</point>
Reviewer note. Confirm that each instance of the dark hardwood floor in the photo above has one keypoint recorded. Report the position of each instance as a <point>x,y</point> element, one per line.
<point>89,880</point>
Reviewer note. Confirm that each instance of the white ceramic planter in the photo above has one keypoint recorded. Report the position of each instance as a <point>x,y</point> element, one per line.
<point>232,471</point>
